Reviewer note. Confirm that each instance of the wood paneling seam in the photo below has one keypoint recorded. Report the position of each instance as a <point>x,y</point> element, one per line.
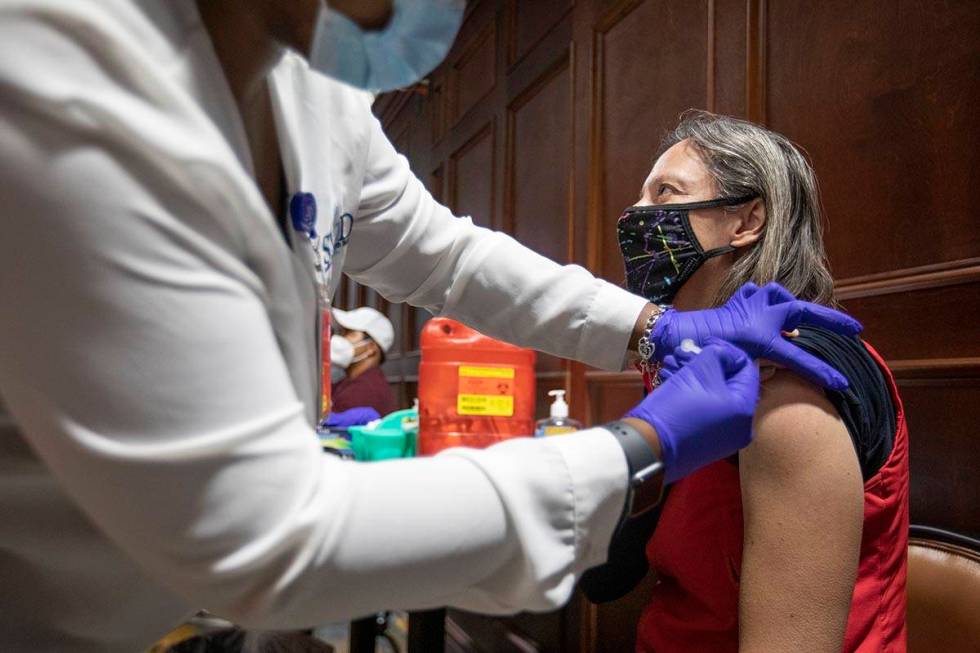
<point>755,61</point>
<point>710,95</point>
<point>487,33</point>
<point>473,141</point>
<point>921,278</point>
<point>551,72</point>
<point>594,231</point>
<point>512,59</point>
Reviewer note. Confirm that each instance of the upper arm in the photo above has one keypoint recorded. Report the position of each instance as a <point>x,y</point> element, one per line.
<point>405,244</point>
<point>802,497</point>
<point>138,355</point>
<point>411,248</point>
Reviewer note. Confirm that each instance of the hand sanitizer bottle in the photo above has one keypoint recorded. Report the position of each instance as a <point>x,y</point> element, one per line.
<point>559,422</point>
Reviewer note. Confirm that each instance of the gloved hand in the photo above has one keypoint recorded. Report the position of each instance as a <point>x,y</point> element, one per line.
<point>753,318</point>
<point>673,363</point>
<point>703,413</point>
<point>351,417</point>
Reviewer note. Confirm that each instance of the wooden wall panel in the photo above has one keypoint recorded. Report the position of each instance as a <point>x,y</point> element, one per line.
<point>945,457</point>
<point>930,323</point>
<point>437,102</point>
<point>436,185</point>
<point>612,395</point>
<point>369,297</point>
<point>471,178</point>
<point>726,72</point>
<point>421,317</point>
<point>884,97</point>
<point>529,21</point>
<point>396,313</point>
<point>539,143</point>
<point>351,293</point>
<point>652,63</point>
<point>473,74</point>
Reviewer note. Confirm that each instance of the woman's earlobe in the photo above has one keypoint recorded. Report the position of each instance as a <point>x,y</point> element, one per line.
<point>751,225</point>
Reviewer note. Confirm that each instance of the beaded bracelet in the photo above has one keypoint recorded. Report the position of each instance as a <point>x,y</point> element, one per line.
<point>645,347</point>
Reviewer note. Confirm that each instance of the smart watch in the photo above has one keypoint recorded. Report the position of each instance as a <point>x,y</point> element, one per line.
<point>646,471</point>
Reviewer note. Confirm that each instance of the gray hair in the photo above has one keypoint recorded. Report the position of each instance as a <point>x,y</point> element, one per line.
<point>746,159</point>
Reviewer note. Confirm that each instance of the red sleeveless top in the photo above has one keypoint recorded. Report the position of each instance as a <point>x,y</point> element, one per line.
<point>696,552</point>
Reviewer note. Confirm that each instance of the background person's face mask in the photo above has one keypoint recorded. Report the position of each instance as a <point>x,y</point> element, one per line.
<point>341,351</point>
<point>362,349</point>
<point>415,41</point>
<point>341,357</point>
<point>660,249</point>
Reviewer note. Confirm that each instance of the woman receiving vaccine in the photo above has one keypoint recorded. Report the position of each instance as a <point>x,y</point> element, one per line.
<point>798,542</point>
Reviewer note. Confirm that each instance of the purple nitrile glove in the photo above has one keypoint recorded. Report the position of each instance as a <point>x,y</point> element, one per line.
<point>703,413</point>
<point>673,363</point>
<point>754,319</point>
<point>352,417</point>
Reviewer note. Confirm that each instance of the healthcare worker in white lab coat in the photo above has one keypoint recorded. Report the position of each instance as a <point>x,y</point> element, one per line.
<point>158,356</point>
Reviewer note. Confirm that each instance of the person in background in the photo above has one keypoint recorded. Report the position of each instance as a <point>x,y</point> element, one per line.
<point>798,542</point>
<point>369,334</point>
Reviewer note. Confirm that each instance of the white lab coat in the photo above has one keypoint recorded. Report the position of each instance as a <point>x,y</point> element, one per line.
<point>158,357</point>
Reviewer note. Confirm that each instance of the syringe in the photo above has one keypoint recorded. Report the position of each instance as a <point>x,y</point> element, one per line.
<point>688,345</point>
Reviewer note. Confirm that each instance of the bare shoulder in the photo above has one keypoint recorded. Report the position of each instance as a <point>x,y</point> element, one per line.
<point>798,429</point>
<point>802,499</point>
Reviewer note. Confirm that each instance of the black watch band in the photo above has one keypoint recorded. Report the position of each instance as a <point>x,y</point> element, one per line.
<point>646,471</point>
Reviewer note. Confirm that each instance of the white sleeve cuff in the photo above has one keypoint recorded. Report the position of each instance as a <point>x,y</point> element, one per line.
<point>563,497</point>
<point>597,466</point>
<point>604,340</point>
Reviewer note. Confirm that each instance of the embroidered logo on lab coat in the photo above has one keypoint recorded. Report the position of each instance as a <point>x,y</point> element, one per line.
<point>337,239</point>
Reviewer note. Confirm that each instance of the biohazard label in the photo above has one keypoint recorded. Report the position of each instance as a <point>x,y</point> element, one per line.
<point>486,391</point>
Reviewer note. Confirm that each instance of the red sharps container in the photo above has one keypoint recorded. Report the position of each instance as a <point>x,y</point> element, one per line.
<point>474,391</point>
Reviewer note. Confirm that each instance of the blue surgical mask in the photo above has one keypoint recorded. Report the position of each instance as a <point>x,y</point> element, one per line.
<point>415,41</point>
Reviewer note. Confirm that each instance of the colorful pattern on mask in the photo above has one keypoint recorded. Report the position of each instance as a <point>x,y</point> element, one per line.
<point>659,251</point>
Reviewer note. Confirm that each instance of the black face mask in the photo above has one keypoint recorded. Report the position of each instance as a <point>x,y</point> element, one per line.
<point>660,249</point>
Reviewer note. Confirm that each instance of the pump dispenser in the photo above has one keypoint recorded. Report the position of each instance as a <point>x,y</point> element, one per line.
<point>559,422</point>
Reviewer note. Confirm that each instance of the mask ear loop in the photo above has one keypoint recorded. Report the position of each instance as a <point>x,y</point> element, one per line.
<point>724,249</point>
<point>718,251</point>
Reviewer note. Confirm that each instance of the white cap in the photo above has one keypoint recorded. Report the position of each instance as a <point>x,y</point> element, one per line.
<point>559,408</point>
<point>370,321</point>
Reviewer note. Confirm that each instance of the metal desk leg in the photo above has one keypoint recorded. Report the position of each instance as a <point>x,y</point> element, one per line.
<point>363,634</point>
<point>426,631</point>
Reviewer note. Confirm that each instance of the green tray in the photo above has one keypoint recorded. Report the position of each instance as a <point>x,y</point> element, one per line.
<point>392,437</point>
